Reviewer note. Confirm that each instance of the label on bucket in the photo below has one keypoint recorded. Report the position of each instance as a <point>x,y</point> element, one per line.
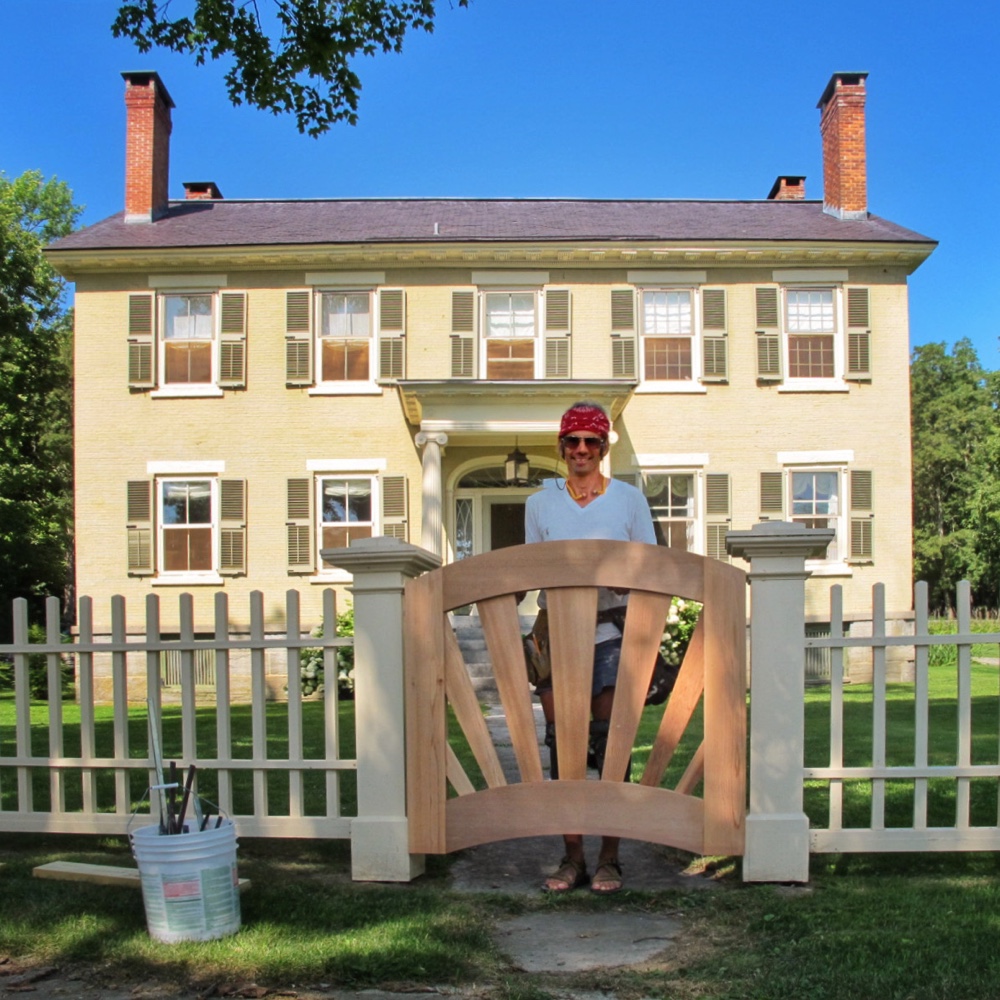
<point>192,905</point>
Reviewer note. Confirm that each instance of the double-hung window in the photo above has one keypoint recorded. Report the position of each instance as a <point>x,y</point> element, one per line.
<point>338,503</point>
<point>816,503</point>
<point>811,326</point>
<point>187,342</point>
<point>668,335</point>
<point>510,328</point>
<point>186,524</point>
<point>345,336</point>
<point>671,499</point>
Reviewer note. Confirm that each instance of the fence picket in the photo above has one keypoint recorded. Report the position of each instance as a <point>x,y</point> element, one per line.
<point>878,705</point>
<point>331,698</point>
<point>258,693</point>
<point>22,707</point>
<point>119,684</point>
<point>53,671</point>
<point>921,706</point>
<point>85,686</point>
<point>296,797</point>
<point>963,601</point>
<point>223,713</point>
<point>836,805</point>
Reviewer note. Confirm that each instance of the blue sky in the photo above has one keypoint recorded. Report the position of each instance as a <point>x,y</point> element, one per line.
<point>571,98</point>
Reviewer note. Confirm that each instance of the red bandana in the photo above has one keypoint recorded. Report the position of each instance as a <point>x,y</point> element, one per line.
<point>585,418</point>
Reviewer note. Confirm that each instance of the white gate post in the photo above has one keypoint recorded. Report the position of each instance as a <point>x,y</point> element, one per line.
<point>379,834</point>
<point>777,829</point>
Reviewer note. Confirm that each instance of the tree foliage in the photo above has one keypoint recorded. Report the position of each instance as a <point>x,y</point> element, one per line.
<point>35,392</point>
<point>300,63</point>
<point>956,472</point>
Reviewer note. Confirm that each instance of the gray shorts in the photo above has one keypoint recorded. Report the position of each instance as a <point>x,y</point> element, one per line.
<point>606,657</point>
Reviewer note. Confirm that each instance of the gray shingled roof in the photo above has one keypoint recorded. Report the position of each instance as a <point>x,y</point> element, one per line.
<point>255,223</point>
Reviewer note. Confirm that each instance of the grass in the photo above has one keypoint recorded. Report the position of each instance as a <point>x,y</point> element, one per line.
<point>896,927</point>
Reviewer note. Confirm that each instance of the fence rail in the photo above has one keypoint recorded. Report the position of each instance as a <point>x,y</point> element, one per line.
<point>91,776</point>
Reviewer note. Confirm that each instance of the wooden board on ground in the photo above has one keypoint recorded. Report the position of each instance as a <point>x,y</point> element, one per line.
<point>77,871</point>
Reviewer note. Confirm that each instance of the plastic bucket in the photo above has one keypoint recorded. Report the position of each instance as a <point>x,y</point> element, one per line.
<point>189,883</point>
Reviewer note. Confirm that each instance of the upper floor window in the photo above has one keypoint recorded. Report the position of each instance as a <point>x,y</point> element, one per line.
<point>510,334</point>
<point>187,343</point>
<point>345,336</point>
<point>670,338</point>
<point>667,335</point>
<point>345,340</point>
<point>813,337</point>
<point>188,336</point>
<point>812,326</point>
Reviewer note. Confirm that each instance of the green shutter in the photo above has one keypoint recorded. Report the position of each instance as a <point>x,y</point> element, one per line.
<point>717,514</point>
<point>463,326</point>
<point>299,524</point>
<point>862,516</point>
<point>715,541</point>
<point>139,527</point>
<point>395,506</point>
<point>715,349</point>
<point>859,335</point>
<point>232,526</point>
<point>772,494</point>
<point>392,331</point>
<point>623,347</point>
<point>769,366</point>
<point>141,342</point>
<point>233,340</point>
<point>557,333</point>
<point>298,338</point>
<point>767,307</point>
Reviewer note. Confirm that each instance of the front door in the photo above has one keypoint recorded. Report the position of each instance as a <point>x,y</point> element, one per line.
<point>506,524</point>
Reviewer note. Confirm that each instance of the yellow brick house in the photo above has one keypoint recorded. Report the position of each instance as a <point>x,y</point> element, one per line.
<point>259,380</point>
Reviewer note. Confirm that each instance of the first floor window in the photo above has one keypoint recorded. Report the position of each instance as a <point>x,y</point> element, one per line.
<point>671,499</point>
<point>667,329</point>
<point>186,522</point>
<point>510,335</point>
<point>188,333</point>
<point>811,326</point>
<point>345,511</point>
<point>345,336</point>
<point>816,503</point>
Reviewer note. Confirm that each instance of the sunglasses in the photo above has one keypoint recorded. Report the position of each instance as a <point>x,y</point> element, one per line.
<point>573,441</point>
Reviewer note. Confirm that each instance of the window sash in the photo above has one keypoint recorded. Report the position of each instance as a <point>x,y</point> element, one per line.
<point>672,500</point>
<point>667,313</point>
<point>346,511</point>
<point>187,525</point>
<point>509,315</point>
<point>815,502</point>
<point>810,310</point>
<point>346,315</point>
<point>187,347</point>
<point>668,335</point>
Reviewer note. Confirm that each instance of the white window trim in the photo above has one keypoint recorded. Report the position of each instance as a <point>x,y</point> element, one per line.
<point>698,476</point>
<point>806,282</point>
<point>343,387</point>
<point>186,577</point>
<point>693,384</point>
<point>837,462</point>
<point>538,362</point>
<point>186,390</point>
<point>356,470</point>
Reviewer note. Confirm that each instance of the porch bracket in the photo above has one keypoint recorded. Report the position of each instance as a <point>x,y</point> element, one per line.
<point>379,834</point>
<point>777,828</point>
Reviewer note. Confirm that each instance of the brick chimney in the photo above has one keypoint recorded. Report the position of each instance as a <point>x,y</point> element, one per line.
<point>788,188</point>
<point>202,191</point>
<point>842,126</point>
<point>147,146</point>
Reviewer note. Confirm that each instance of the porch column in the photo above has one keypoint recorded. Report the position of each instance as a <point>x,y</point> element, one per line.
<point>431,489</point>
<point>379,835</point>
<point>777,829</point>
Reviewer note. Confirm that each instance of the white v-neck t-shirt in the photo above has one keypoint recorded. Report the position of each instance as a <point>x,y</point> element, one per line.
<point>619,514</point>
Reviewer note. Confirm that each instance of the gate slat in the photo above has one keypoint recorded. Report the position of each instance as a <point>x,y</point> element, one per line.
<point>462,698</point>
<point>572,622</point>
<point>644,623</point>
<point>502,630</point>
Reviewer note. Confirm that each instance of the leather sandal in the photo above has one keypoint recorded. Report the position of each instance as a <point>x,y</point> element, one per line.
<point>607,878</point>
<point>568,876</point>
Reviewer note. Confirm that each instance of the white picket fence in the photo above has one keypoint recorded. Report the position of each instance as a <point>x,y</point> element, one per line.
<point>919,776</point>
<point>78,799</point>
<point>779,838</point>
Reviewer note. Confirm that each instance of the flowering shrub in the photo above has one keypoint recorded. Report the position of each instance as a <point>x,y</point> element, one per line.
<point>311,661</point>
<point>678,630</point>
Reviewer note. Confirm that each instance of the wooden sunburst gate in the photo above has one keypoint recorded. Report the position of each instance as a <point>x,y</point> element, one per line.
<point>714,670</point>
